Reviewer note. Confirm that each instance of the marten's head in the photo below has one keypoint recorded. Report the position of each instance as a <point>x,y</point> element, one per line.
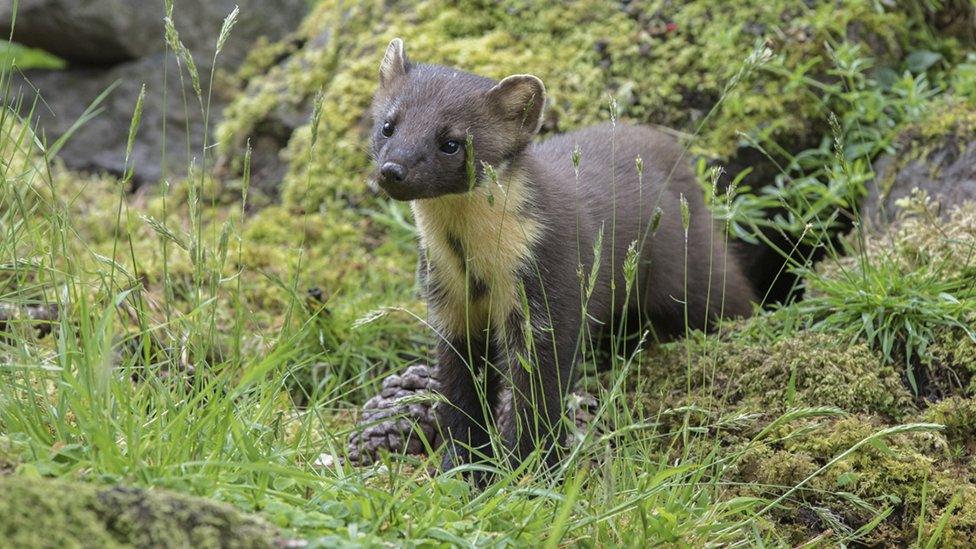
<point>423,115</point>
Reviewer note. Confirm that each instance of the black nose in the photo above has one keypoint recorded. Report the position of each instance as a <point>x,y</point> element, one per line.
<point>391,171</point>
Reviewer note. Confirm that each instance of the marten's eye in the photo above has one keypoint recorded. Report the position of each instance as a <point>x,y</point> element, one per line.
<point>450,146</point>
<point>388,128</point>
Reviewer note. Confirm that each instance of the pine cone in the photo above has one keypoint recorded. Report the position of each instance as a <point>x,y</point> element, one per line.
<point>400,419</point>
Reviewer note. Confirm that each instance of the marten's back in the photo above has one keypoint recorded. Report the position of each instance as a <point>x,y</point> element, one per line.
<point>608,165</point>
<point>610,192</point>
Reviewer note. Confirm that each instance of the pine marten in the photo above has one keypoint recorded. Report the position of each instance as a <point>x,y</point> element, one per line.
<point>509,234</point>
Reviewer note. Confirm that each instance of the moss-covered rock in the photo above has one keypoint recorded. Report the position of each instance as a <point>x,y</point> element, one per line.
<point>687,65</point>
<point>908,292</point>
<point>958,414</point>
<point>951,365</point>
<point>903,474</point>
<point>54,513</point>
<point>752,375</point>
<point>757,389</point>
<point>727,76</point>
<point>741,388</point>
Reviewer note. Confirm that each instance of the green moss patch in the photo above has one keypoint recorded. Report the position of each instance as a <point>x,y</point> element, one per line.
<point>758,389</point>
<point>742,387</point>
<point>808,369</point>
<point>907,480</point>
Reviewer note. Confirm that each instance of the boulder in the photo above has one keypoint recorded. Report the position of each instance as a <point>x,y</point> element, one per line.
<point>665,63</point>
<point>106,47</point>
<point>98,33</point>
<point>107,32</point>
<point>99,144</point>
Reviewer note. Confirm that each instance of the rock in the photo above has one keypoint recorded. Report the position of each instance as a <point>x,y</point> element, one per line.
<point>55,513</point>
<point>99,144</point>
<point>98,33</point>
<point>936,156</point>
<point>401,420</point>
<point>107,32</point>
<point>199,22</point>
<point>649,55</point>
<point>133,55</point>
<point>40,317</point>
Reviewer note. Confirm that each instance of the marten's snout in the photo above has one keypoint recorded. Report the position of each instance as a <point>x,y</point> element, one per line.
<point>393,172</point>
<point>393,176</point>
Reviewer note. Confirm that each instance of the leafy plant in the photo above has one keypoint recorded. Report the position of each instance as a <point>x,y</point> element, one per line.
<point>817,192</point>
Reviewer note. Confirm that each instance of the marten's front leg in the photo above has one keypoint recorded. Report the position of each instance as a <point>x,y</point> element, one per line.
<point>462,417</point>
<point>540,353</point>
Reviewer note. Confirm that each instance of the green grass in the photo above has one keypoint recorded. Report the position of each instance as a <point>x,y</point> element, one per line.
<point>184,359</point>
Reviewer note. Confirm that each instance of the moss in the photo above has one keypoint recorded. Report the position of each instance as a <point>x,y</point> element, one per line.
<point>262,56</point>
<point>8,456</point>
<point>950,119</point>
<point>19,146</point>
<point>958,414</point>
<point>951,369</point>
<point>736,385</point>
<point>806,369</point>
<point>54,513</point>
<point>833,503</point>
<point>667,63</point>
<point>821,369</point>
<point>279,250</point>
<point>920,241</point>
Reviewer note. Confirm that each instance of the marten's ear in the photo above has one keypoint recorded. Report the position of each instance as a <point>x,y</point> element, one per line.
<point>394,63</point>
<point>520,98</point>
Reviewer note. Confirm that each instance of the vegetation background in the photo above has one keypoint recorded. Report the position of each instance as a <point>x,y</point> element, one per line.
<point>183,355</point>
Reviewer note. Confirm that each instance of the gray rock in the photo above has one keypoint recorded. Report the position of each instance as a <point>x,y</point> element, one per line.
<point>107,32</point>
<point>199,22</point>
<point>99,145</point>
<point>946,171</point>
<point>40,317</point>
<point>102,32</point>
